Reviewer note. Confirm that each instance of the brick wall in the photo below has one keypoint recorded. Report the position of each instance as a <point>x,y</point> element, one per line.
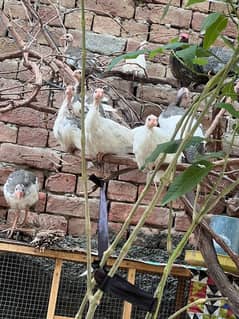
<point>26,138</point>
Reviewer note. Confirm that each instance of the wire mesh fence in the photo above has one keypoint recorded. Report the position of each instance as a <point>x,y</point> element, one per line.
<point>26,284</point>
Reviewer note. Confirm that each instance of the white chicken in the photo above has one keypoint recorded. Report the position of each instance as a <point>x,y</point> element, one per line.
<point>145,140</point>
<point>66,128</point>
<point>104,135</point>
<point>169,119</point>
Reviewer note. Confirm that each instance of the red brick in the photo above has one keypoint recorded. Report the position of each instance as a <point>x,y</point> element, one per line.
<point>24,116</point>
<point>203,7</point>
<point>43,221</point>
<point>64,3</point>
<point>49,15</point>
<point>8,133</point>
<point>135,30</point>
<point>33,157</point>
<point>61,183</point>
<point>162,34</point>
<point>15,9</point>
<point>3,202</point>
<point>156,70</point>
<point>182,222</point>
<point>77,227</point>
<point>5,170</point>
<point>41,204</point>
<point>7,45</point>
<point>71,206</point>
<point>177,17</point>
<point>32,136</point>
<point>120,211</point>
<point>73,20</point>
<point>122,191</point>
<point>106,25</point>
<point>3,214</point>
<point>90,185</point>
<point>134,176</point>
<point>156,93</point>
<point>71,164</point>
<point>197,20</point>
<point>149,196</point>
<point>231,29</point>
<point>173,2</point>
<point>9,69</point>
<point>52,142</point>
<point>123,9</point>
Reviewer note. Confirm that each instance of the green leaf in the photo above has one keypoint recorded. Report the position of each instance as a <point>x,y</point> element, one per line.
<point>169,46</point>
<point>213,25</point>
<point>155,52</point>
<point>228,42</point>
<point>188,54</point>
<point>229,107</point>
<point>200,61</point>
<point>170,147</point>
<point>187,180</point>
<point>190,2</point>
<point>130,55</point>
<point>211,155</point>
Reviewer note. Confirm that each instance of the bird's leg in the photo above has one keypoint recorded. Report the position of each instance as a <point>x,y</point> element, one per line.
<point>11,229</point>
<point>25,218</point>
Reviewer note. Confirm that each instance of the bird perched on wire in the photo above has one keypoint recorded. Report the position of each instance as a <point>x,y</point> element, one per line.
<point>104,135</point>
<point>73,56</point>
<point>66,128</point>
<point>169,119</point>
<point>21,192</point>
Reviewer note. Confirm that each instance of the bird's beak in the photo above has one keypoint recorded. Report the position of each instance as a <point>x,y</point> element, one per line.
<point>19,194</point>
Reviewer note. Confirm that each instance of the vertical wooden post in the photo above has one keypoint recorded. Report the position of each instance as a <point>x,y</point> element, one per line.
<point>54,289</point>
<point>127,306</point>
<point>180,296</point>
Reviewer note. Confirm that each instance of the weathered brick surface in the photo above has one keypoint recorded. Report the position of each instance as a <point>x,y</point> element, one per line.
<point>34,157</point>
<point>162,34</point>
<point>135,30</point>
<point>71,164</point>
<point>182,222</point>
<point>90,185</point>
<point>134,176</point>
<point>8,133</point>
<point>49,15</point>
<point>24,116</point>
<point>120,211</point>
<point>9,69</point>
<point>157,93</point>
<point>106,25</point>
<point>3,202</point>
<point>122,191</point>
<point>32,136</point>
<point>15,9</point>
<point>73,20</point>
<point>77,227</point>
<point>64,183</point>
<point>71,206</point>
<point>197,20</point>
<point>43,221</point>
<point>123,9</point>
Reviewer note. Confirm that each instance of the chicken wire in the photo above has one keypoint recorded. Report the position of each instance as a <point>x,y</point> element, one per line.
<point>25,283</point>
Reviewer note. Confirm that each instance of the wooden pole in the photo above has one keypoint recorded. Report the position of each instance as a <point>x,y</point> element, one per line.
<point>128,306</point>
<point>54,289</point>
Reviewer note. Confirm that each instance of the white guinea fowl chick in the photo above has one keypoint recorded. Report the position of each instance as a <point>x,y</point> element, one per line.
<point>104,135</point>
<point>66,128</point>
<point>146,138</point>
<point>21,192</point>
<point>169,119</point>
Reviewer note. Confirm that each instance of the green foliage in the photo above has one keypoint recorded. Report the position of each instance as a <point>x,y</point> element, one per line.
<point>187,180</point>
<point>191,2</point>
<point>230,108</point>
<point>213,25</point>
<point>170,147</point>
<point>130,55</point>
